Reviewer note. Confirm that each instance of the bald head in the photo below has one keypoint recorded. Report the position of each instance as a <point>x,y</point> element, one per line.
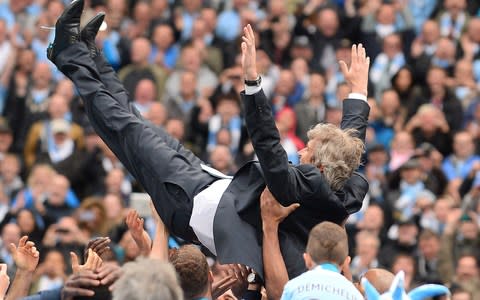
<point>381,279</point>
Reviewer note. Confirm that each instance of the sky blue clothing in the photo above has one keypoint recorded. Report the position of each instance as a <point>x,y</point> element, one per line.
<point>54,294</point>
<point>421,10</point>
<point>71,200</point>
<point>383,133</point>
<point>454,169</point>
<point>188,20</point>
<point>170,57</point>
<point>110,50</point>
<point>228,25</point>
<point>7,15</point>
<point>322,282</point>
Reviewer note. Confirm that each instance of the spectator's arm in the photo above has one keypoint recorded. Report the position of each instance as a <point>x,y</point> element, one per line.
<point>446,260</point>
<point>160,241</point>
<point>404,12</point>
<point>26,259</point>
<point>276,275</point>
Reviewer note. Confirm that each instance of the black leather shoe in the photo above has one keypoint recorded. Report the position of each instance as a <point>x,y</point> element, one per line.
<point>89,32</point>
<point>67,29</point>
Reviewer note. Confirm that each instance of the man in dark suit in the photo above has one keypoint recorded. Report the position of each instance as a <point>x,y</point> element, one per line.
<point>198,203</point>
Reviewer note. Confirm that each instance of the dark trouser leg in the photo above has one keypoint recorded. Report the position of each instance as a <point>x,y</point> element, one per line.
<point>114,85</point>
<point>169,177</point>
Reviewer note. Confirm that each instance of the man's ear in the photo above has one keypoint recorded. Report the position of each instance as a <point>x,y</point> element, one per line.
<point>345,268</point>
<point>309,263</point>
<point>210,276</point>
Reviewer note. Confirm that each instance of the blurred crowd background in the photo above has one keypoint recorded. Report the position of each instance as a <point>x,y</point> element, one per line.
<point>179,61</point>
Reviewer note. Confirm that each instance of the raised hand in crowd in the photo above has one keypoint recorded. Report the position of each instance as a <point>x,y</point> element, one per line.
<point>273,213</point>
<point>221,286</point>
<point>240,274</point>
<point>99,245</point>
<point>79,284</point>
<point>26,257</point>
<point>139,235</point>
<point>92,263</point>
<point>4,281</point>
<point>356,75</point>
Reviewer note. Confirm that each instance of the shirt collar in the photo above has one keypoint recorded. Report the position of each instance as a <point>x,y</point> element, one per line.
<point>328,267</point>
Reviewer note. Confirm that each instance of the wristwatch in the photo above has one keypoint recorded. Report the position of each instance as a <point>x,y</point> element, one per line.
<point>253,278</point>
<point>255,82</point>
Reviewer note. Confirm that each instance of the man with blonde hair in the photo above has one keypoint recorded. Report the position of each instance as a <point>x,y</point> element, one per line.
<point>199,203</point>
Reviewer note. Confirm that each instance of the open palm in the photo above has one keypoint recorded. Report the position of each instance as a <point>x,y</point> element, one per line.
<point>26,255</point>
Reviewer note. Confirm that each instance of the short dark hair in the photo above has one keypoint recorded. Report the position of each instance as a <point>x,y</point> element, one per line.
<point>428,234</point>
<point>327,242</point>
<point>192,269</point>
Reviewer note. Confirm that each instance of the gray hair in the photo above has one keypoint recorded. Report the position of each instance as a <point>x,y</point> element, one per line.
<point>148,279</point>
<point>338,152</point>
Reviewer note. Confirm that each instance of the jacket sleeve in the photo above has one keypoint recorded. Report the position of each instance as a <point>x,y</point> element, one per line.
<point>355,115</point>
<point>280,177</point>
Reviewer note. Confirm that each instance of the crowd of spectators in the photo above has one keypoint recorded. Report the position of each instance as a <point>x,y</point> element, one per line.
<point>179,61</point>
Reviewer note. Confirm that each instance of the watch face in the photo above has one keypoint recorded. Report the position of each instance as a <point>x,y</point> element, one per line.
<point>251,277</point>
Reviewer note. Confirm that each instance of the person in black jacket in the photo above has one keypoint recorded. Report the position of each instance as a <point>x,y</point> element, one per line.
<point>198,203</point>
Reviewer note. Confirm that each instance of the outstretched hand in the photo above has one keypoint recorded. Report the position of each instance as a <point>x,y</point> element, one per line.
<point>26,255</point>
<point>357,75</point>
<point>273,213</point>
<point>99,245</point>
<point>249,57</point>
<point>92,263</point>
<point>139,235</point>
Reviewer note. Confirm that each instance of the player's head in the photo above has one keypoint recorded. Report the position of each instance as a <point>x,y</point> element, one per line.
<point>327,243</point>
<point>336,152</point>
<point>193,270</point>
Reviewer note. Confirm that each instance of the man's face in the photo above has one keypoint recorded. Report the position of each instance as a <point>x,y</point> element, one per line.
<point>407,234</point>
<point>6,140</point>
<point>429,247</point>
<point>306,154</point>
<point>463,145</point>
<point>411,175</point>
<point>467,268</point>
<point>373,218</point>
<point>11,234</point>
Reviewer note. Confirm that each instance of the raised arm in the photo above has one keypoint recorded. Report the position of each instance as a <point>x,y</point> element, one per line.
<point>261,127</point>
<point>355,107</point>
<point>26,259</point>
<point>275,271</point>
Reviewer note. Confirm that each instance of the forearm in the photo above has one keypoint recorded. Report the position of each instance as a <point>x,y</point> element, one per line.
<point>20,286</point>
<point>445,259</point>
<point>160,244</point>
<point>276,275</point>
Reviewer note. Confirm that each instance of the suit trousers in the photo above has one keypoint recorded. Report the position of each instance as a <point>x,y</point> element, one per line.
<point>170,173</point>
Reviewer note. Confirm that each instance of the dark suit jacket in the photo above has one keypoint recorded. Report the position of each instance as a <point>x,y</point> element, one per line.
<point>173,176</point>
<point>237,224</point>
